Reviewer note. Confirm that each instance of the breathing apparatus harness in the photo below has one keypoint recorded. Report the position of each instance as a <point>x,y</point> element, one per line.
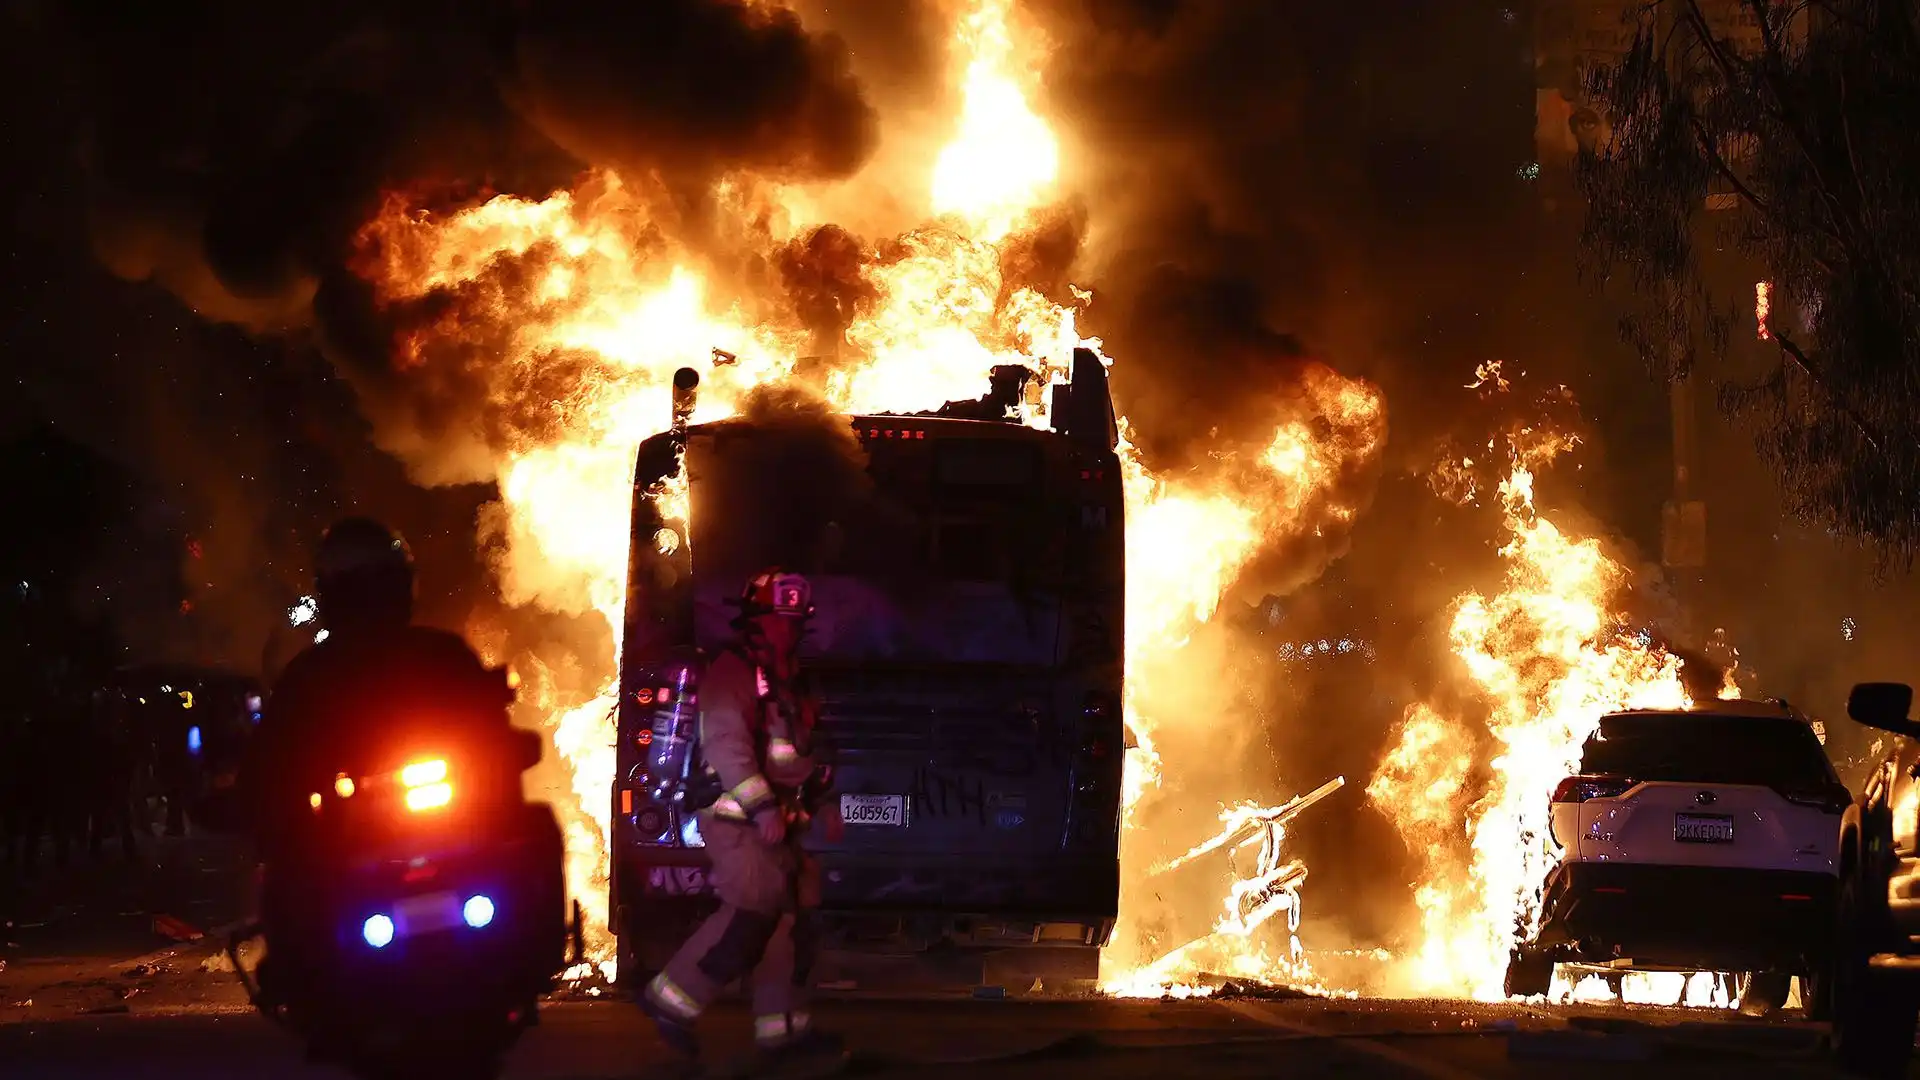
<point>779,687</point>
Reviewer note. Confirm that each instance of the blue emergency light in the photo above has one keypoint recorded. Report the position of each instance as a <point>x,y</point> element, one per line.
<point>193,739</point>
<point>377,931</point>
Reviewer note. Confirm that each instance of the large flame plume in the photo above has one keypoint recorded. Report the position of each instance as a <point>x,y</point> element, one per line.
<point>1547,654</point>
<point>571,313</point>
<point>1189,537</point>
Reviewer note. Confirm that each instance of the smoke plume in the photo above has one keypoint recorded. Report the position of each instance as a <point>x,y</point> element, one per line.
<point>788,477</point>
<point>234,150</point>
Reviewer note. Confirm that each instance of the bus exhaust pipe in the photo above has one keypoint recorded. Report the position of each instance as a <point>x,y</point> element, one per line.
<point>686,387</point>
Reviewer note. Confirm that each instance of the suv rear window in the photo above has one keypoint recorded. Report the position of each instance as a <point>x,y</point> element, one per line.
<point>1688,747</point>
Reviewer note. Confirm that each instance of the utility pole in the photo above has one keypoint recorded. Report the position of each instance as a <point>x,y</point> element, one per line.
<point>1683,519</point>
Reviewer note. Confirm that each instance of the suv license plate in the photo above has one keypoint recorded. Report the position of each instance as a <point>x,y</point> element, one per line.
<point>1703,828</point>
<point>874,810</point>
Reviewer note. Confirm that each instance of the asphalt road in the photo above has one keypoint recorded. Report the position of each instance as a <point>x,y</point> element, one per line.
<point>179,1015</point>
<point>89,988</point>
<point>109,906</point>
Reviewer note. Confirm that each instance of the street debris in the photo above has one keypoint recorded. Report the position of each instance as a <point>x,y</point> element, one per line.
<point>220,963</point>
<point>1233,988</point>
<point>141,971</point>
<point>170,927</point>
<point>1269,888</point>
<point>585,981</point>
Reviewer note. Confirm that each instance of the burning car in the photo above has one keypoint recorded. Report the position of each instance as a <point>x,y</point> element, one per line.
<point>1703,839</point>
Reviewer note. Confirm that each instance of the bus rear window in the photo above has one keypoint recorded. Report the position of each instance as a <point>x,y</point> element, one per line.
<point>987,465</point>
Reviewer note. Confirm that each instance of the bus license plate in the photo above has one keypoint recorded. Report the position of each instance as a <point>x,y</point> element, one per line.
<point>1703,828</point>
<point>873,809</point>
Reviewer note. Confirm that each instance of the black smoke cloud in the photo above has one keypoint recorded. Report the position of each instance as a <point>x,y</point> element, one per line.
<point>789,478</point>
<point>1273,181</point>
<point>231,152</point>
<point>236,149</point>
<point>1274,184</point>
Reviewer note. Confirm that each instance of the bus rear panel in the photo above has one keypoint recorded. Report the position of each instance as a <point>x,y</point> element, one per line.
<point>967,649</point>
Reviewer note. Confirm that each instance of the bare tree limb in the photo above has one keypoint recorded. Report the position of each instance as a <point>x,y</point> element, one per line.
<point>1806,365</point>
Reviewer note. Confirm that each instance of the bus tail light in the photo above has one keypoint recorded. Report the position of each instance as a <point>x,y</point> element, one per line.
<point>1097,772</point>
<point>658,726</point>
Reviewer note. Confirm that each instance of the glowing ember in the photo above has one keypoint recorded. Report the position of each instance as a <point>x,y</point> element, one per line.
<point>1762,309</point>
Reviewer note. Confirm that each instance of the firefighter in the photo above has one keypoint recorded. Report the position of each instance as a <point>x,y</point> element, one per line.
<point>756,730</point>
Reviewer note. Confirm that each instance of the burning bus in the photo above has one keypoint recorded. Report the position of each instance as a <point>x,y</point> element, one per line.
<point>968,652</point>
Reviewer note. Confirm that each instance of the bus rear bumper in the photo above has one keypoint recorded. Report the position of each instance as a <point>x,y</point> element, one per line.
<point>894,904</point>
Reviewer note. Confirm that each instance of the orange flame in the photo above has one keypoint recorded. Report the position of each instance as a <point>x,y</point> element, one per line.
<point>1547,656</point>
<point>568,315</point>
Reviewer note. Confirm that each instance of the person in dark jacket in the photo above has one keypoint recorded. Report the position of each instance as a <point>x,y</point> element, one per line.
<point>374,675</point>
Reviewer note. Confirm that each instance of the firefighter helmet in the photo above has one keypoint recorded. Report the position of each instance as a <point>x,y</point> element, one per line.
<point>775,591</point>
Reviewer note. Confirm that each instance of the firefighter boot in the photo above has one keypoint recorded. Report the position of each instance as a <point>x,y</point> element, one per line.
<point>816,1053</point>
<point>675,1032</point>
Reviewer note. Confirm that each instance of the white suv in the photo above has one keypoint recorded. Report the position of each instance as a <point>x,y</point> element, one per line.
<point>1694,840</point>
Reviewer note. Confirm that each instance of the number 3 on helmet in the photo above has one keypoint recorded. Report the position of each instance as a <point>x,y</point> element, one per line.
<point>776,592</point>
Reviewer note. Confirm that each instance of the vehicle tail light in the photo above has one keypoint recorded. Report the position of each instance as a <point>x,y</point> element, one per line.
<point>658,726</point>
<point>426,784</point>
<point>1578,789</point>
<point>422,773</point>
<point>1828,800</point>
<point>1097,771</point>
<point>429,797</point>
<point>652,822</point>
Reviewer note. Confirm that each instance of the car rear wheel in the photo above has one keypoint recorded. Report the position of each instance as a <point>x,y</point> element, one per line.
<point>1816,993</point>
<point>1765,993</point>
<point>1528,975</point>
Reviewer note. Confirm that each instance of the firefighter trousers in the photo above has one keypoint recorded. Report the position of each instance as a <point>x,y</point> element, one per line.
<point>760,933</point>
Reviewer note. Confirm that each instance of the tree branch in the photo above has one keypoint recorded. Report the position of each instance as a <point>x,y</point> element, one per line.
<point>1786,114</point>
<point>1705,138</point>
<point>1806,365</point>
